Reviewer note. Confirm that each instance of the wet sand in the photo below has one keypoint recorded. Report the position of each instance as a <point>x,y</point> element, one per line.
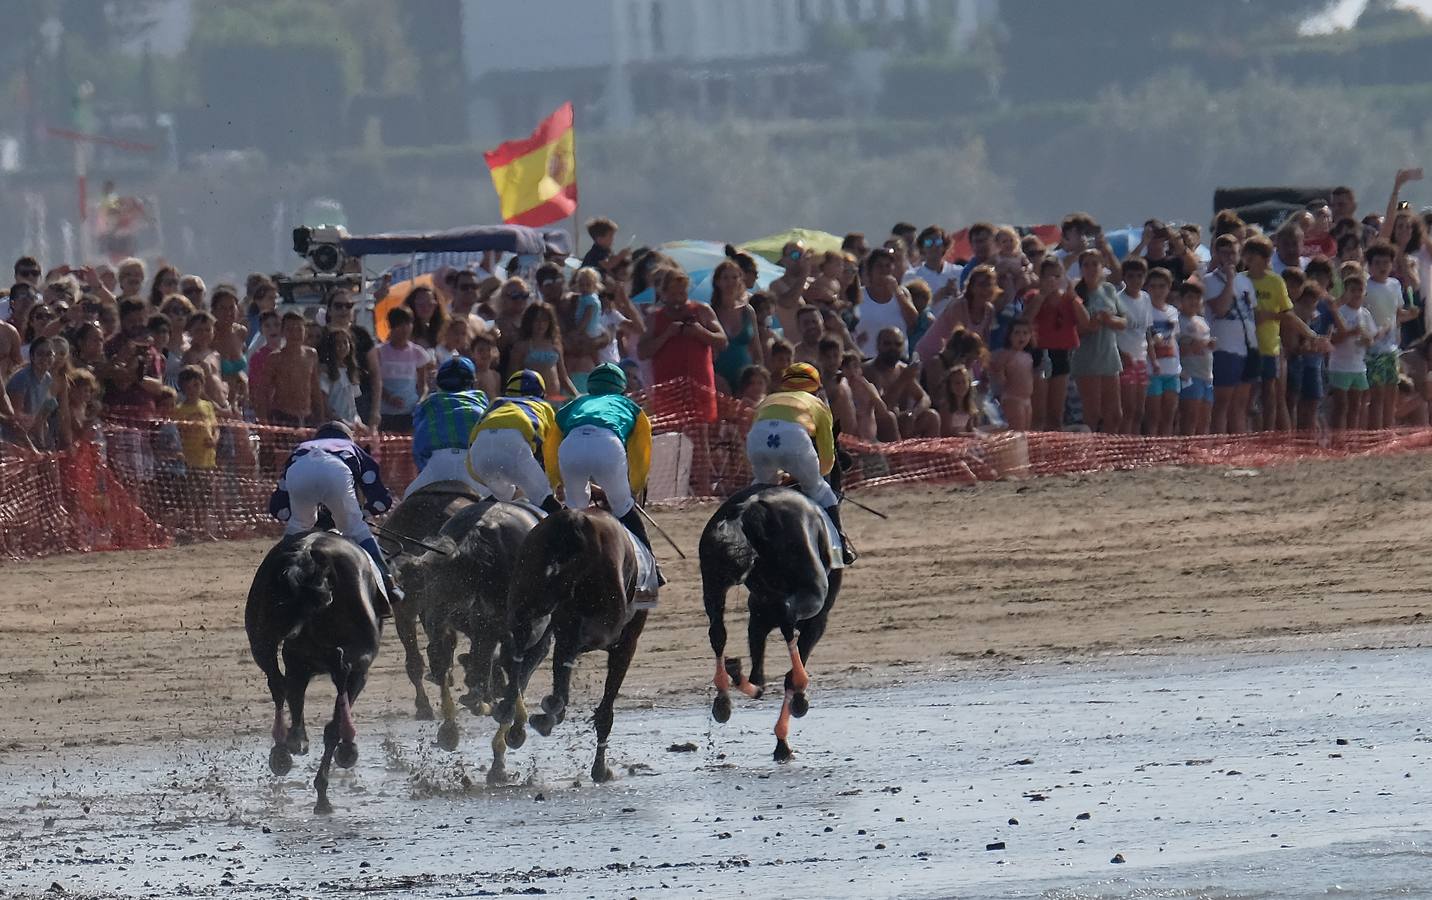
<point>134,667</point>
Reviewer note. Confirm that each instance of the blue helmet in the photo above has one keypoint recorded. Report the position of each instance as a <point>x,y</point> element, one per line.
<point>457,374</point>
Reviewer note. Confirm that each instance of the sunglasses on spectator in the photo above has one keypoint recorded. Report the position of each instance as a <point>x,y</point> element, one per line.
<point>516,296</point>
<point>796,255</point>
<point>932,242</point>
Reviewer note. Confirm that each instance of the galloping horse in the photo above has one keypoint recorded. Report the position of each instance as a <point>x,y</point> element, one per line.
<point>421,516</point>
<point>574,585</point>
<point>774,541</point>
<point>313,596</point>
<point>465,591</point>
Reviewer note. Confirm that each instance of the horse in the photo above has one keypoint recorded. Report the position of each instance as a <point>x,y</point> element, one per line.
<point>313,598</point>
<point>464,589</point>
<point>773,540</point>
<point>421,516</point>
<point>573,591</point>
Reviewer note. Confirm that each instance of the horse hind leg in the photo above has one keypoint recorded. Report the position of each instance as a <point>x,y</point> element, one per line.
<point>280,759</point>
<point>440,653</point>
<point>295,681</point>
<point>618,661</point>
<point>405,621</point>
<point>322,806</point>
<point>511,711</point>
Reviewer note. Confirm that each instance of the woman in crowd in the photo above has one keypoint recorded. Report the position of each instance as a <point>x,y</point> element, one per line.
<point>166,282</point>
<point>429,317</point>
<point>339,376</point>
<point>36,396</point>
<point>1095,364</point>
<point>340,305</point>
<point>730,302</point>
<point>539,348</point>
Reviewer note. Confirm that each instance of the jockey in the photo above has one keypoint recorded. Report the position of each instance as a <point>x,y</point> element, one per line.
<point>607,441</point>
<point>332,471</point>
<point>515,440</point>
<point>442,424</point>
<point>794,432</point>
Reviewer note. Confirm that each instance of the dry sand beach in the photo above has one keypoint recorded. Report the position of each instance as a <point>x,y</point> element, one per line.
<point>1037,620</point>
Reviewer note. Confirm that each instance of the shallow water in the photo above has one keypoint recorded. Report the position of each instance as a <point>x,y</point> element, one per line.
<point>1216,778</point>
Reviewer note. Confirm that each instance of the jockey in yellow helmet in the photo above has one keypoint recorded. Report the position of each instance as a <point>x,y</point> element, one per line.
<point>514,445</point>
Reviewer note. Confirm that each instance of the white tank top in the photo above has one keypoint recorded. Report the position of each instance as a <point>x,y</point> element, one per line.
<point>875,317</point>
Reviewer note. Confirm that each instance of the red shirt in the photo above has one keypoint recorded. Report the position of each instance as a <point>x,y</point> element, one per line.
<point>1055,327</point>
<point>685,356</point>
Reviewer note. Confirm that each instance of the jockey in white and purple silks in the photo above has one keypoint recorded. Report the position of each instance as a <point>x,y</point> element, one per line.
<point>333,471</point>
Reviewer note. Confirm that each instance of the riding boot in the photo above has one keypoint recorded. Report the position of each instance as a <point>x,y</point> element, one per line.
<point>632,520</point>
<point>849,551</point>
<point>551,505</point>
<point>390,586</point>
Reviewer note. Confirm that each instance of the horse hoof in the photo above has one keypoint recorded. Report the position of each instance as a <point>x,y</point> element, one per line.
<point>503,711</point>
<point>551,704</point>
<point>800,706</point>
<point>601,774</point>
<point>346,756</point>
<point>497,776</point>
<point>298,746</point>
<point>280,760</point>
<point>424,714</point>
<point>542,724</point>
<point>783,751</point>
<point>432,678</point>
<point>760,692</point>
<point>448,736</point>
<point>721,709</point>
<point>323,807</point>
<point>516,736</point>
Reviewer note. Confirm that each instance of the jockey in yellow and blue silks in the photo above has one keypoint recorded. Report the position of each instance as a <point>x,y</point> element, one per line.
<point>513,442</point>
<point>606,441</point>
<point>443,424</point>
<point>794,432</point>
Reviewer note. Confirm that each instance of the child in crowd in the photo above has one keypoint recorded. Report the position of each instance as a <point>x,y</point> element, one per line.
<point>405,372</point>
<point>959,411</point>
<point>1165,380</point>
<point>1133,343</point>
<point>271,335</point>
<point>1307,358</point>
<point>1272,312</point>
<point>753,384</point>
<point>782,355</point>
<point>1354,331</point>
<point>455,339</point>
<point>1012,371</point>
<point>169,463</point>
<point>200,428</point>
<point>1383,298</point>
<point>1195,347</point>
<point>483,353</point>
<point>339,377</point>
<point>201,353</point>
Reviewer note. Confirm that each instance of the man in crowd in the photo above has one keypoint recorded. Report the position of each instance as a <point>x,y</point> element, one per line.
<point>288,392</point>
<point>899,385</point>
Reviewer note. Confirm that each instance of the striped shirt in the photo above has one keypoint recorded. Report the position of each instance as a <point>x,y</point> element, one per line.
<point>443,421</point>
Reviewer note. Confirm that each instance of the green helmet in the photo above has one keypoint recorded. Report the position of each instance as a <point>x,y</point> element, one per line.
<point>607,378</point>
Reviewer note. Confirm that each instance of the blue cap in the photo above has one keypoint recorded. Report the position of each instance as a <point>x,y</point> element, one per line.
<point>457,374</point>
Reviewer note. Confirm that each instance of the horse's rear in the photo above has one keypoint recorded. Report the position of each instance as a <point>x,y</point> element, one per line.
<point>465,591</point>
<point>422,516</point>
<point>572,592</point>
<point>313,599</point>
<point>774,541</point>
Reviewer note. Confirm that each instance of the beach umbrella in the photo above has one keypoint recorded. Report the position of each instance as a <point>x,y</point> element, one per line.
<point>770,247</point>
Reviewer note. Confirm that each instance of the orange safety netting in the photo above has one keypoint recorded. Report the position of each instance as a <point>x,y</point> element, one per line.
<point>133,491</point>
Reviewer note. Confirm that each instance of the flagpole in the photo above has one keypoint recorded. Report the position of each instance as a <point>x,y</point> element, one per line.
<point>576,207</point>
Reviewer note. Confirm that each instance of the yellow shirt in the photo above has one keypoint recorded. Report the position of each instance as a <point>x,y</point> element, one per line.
<point>1272,298</point>
<point>200,437</point>
<point>534,419</point>
<point>809,412</point>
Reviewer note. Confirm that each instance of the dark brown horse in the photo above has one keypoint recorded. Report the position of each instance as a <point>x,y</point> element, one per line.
<point>573,592</point>
<point>313,600</point>
<point>464,591</point>
<point>421,516</point>
<point>774,541</point>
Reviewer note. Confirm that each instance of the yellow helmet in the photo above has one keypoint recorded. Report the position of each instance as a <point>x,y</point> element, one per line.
<point>801,377</point>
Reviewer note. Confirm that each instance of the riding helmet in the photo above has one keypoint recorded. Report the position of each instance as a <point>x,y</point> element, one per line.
<point>457,374</point>
<point>334,430</point>
<point>526,383</point>
<point>607,378</point>
<point>801,377</point>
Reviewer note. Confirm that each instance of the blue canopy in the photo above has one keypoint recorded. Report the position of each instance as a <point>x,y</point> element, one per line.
<point>517,239</point>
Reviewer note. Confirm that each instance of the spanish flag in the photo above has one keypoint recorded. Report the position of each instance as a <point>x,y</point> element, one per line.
<point>536,177</point>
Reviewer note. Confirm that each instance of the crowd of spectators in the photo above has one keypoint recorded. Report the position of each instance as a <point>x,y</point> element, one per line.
<point>1321,324</point>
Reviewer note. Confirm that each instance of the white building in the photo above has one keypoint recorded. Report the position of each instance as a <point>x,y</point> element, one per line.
<point>619,58</point>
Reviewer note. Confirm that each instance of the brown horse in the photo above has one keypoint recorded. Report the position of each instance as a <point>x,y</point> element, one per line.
<point>313,599</point>
<point>573,591</point>
<point>421,516</point>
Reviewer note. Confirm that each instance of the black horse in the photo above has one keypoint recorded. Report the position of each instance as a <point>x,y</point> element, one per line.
<point>574,586</point>
<point>421,516</point>
<point>313,597</point>
<point>774,541</point>
<point>464,590</point>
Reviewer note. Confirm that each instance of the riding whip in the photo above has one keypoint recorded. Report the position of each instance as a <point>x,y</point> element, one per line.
<point>858,505</point>
<point>399,536</point>
<point>662,531</point>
